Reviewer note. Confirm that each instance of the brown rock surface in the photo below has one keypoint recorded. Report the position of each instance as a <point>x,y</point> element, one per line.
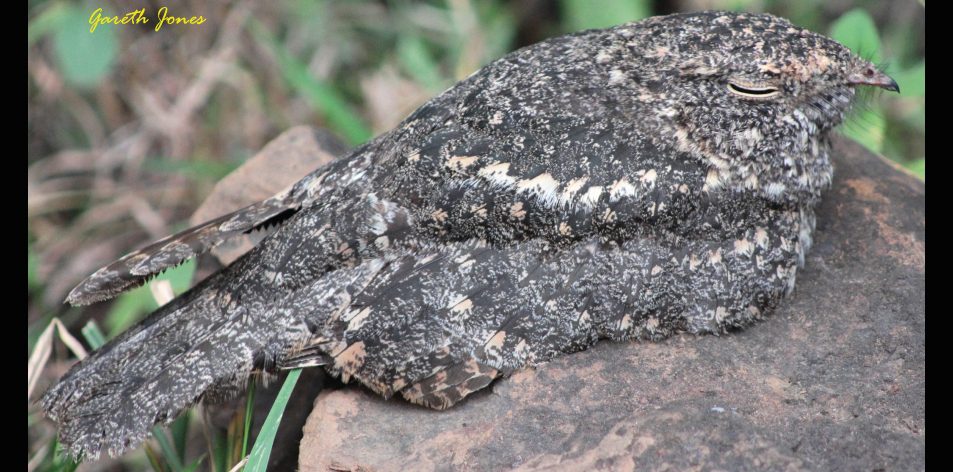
<point>834,380</point>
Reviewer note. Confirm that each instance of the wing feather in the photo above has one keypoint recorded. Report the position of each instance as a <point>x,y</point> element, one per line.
<point>136,268</point>
<point>443,322</point>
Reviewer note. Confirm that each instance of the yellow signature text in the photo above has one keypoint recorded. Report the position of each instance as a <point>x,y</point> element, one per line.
<point>136,17</point>
<point>166,19</point>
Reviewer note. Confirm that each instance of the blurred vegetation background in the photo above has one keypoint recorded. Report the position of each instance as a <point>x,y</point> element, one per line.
<point>129,128</point>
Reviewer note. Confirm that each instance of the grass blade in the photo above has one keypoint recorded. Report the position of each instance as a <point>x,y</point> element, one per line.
<point>38,358</point>
<point>261,452</point>
<point>44,348</point>
<point>249,411</point>
<point>195,465</point>
<point>168,451</point>
<point>94,336</point>
<point>324,98</point>
<point>179,430</point>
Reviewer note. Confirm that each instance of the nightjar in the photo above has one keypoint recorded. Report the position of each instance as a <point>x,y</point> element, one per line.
<point>627,183</point>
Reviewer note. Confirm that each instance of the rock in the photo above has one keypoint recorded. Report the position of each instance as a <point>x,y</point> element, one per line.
<point>833,380</point>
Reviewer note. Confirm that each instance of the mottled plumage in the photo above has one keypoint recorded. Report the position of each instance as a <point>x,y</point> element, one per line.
<point>619,184</point>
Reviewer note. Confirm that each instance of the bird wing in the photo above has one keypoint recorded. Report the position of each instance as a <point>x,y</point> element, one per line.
<point>136,268</point>
<point>539,240</point>
<point>443,322</point>
<point>563,168</point>
<point>508,264</point>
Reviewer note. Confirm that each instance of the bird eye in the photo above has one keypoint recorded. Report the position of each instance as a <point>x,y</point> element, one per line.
<point>752,91</point>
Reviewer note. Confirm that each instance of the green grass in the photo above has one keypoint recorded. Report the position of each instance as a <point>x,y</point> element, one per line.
<point>260,453</point>
<point>323,97</point>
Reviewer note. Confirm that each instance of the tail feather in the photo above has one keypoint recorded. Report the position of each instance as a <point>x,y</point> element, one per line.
<point>202,345</point>
<point>110,401</point>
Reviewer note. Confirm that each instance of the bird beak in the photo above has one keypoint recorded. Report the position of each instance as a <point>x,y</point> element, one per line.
<point>869,75</point>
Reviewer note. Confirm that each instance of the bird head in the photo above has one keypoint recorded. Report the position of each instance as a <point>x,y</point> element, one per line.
<point>751,94</point>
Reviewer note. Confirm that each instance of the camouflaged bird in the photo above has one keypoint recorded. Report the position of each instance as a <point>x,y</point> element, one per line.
<point>628,183</point>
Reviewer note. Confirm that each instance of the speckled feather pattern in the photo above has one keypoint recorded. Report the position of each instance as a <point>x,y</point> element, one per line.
<point>603,185</point>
